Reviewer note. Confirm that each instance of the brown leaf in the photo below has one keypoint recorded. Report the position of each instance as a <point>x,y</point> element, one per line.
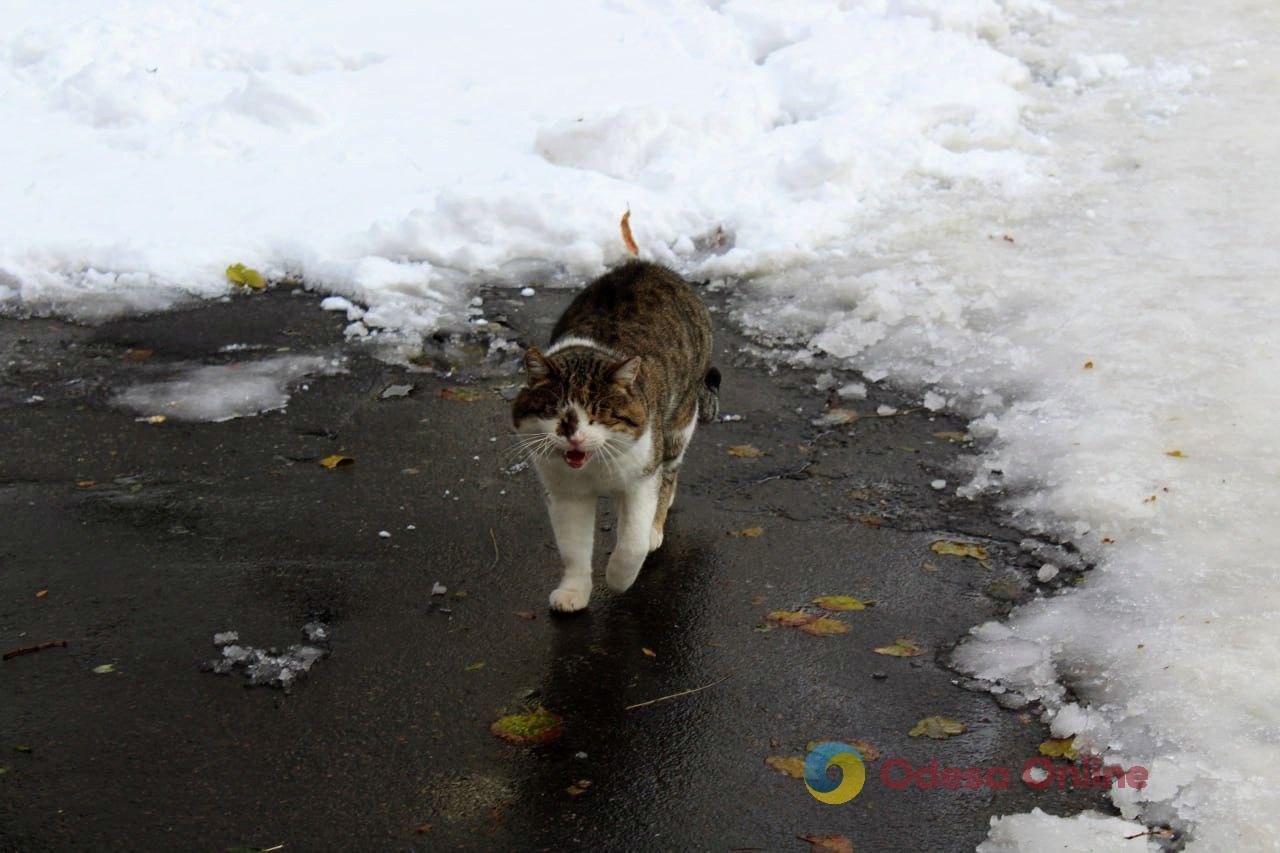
<point>578,788</point>
<point>1088,365</point>
<point>828,843</point>
<point>749,532</point>
<point>791,618</point>
<point>526,614</point>
<point>336,461</point>
<point>461,395</point>
<point>138,354</point>
<point>627,239</point>
<point>872,521</point>
<point>866,750</point>
<point>786,765</point>
<point>824,626</point>
<point>648,652</point>
<point>951,436</point>
<point>746,451</point>
<point>41,593</point>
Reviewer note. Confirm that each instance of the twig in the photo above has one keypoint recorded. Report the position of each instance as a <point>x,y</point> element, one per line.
<point>785,474</point>
<point>38,647</point>
<point>681,693</point>
<point>495,549</point>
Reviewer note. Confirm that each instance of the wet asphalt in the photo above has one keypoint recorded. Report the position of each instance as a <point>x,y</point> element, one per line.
<point>149,538</point>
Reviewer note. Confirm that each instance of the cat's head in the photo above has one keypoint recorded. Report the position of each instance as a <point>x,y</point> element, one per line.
<point>578,404</point>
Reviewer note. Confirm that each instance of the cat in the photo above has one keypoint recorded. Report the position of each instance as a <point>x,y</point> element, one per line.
<point>609,409</point>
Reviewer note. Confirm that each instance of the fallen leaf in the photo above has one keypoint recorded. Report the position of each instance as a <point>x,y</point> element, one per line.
<point>648,652</point>
<point>951,436</point>
<point>578,788</point>
<point>104,668</point>
<point>746,451</point>
<point>873,521</point>
<point>866,750</point>
<point>903,647</point>
<point>41,593</point>
<point>137,354</point>
<point>475,666</point>
<point>84,484</point>
<point>23,748</point>
<point>824,626</point>
<point>152,419</point>
<point>840,603</point>
<point>424,829</point>
<point>627,239</point>
<point>749,532</point>
<point>461,395</point>
<point>829,843</point>
<point>1176,454</point>
<point>243,276</point>
<point>335,461</point>
<point>537,726</point>
<point>786,765</point>
<point>596,649</point>
<point>1059,747</point>
<point>526,614</point>
<point>791,618</point>
<point>961,549</point>
<point>757,600</point>
<point>938,728</point>
<point>1088,365</point>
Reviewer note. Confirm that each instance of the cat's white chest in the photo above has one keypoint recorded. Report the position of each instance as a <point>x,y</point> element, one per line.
<point>602,475</point>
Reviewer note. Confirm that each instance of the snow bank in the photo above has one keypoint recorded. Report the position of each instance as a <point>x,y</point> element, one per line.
<point>1116,341</point>
<point>1087,832</point>
<point>396,153</point>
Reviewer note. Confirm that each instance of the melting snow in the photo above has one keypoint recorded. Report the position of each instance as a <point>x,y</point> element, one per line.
<point>269,666</point>
<point>224,391</point>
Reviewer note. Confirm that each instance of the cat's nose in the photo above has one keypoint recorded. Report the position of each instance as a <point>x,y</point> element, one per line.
<point>576,440</point>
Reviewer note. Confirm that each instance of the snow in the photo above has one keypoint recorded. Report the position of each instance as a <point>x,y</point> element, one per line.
<point>1060,220</point>
<point>221,392</point>
<point>1087,832</point>
<point>260,666</point>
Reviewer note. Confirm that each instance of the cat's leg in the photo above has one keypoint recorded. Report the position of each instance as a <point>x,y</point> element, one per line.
<point>573,517</point>
<point>666,496</point>
<point>636,509</point>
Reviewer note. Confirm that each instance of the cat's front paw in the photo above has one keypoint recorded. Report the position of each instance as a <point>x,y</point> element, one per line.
<point>569,599</point>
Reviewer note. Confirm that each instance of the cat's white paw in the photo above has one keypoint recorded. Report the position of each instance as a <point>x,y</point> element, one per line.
<point>569,599</point>
<point>655,539</point>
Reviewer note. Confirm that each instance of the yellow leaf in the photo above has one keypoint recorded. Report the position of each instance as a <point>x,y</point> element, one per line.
<point>1059,747</point>
<point>243,276</point>
<point>335,460</point>
<point>746,451</point>
<point>786,765</point>
<point>791,618</point>
<point>537,726</point>
<point>938,728</point>
<point>824,626</point>
<point>1176,454</point>
<point>841,602</point>
<point>104,668</point>
<point>751,532</point>
<point>475,666</point>
<point>961,549</point>
<point>903,647</point>
<point>649,653</point>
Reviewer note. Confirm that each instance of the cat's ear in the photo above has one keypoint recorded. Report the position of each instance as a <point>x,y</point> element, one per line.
<point>625,372</point>
<point>536,365</point>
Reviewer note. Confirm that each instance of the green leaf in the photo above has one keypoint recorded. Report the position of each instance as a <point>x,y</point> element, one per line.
<point>537,726</point>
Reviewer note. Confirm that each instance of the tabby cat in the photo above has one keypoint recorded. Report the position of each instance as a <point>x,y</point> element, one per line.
<point>609,409</point>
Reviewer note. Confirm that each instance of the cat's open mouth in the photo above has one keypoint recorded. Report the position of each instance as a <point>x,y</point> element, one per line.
<point>575,458</point>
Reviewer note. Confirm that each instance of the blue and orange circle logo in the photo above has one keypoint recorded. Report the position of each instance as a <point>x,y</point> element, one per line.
<point>853,773</point>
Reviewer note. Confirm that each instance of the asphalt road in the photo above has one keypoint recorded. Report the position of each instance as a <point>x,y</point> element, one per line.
<point>149,538</point>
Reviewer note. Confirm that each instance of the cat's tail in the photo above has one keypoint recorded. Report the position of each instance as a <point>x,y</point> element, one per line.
<point>709,396</point>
